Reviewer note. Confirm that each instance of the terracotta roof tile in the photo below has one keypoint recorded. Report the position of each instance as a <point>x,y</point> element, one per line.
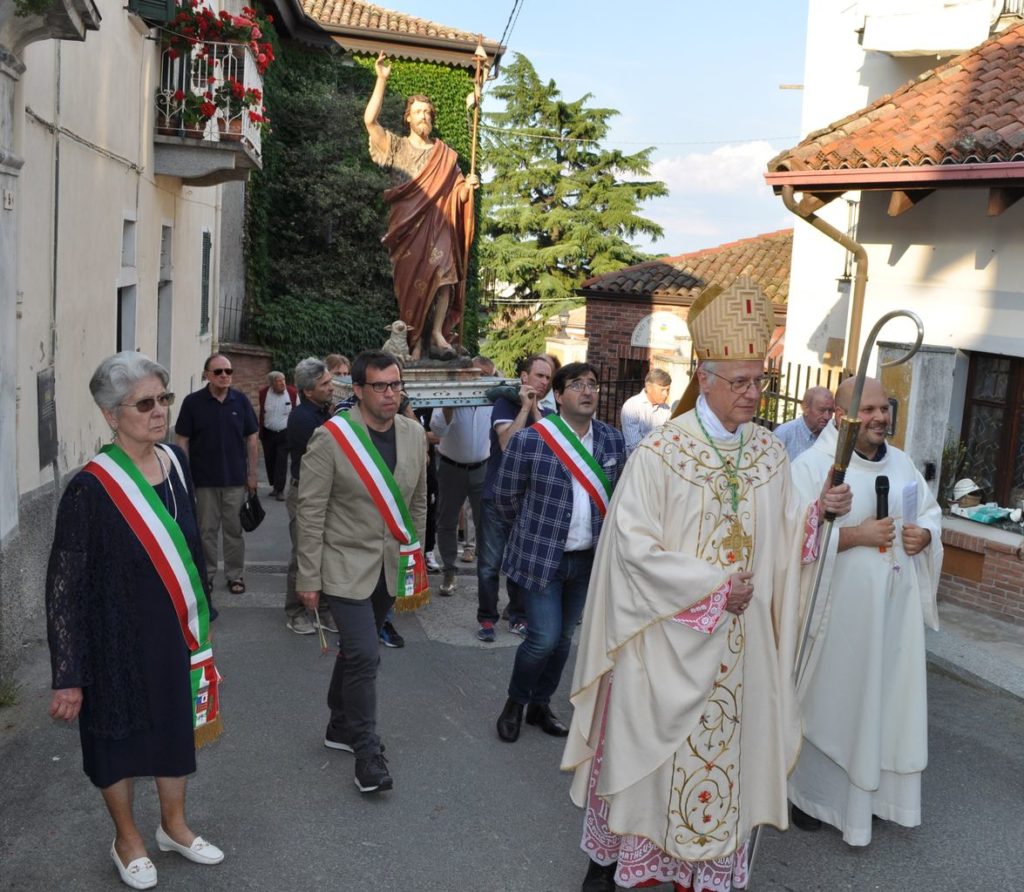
<point>370,17</point>
<point>969,110</point>
<point>765,258</point>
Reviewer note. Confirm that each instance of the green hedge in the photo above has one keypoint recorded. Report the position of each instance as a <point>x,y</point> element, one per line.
<point>319,280</point>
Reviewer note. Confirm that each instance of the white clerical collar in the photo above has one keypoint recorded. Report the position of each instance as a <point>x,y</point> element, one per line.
<point>711,423</point>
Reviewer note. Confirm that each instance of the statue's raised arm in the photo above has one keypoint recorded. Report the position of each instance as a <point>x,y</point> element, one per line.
<point>430,220</point>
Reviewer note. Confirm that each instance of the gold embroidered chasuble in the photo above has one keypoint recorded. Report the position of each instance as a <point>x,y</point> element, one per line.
<point>701,729</point>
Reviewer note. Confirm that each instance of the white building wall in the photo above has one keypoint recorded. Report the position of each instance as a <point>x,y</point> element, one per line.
<point>945,259</point>
<point>78,186</point>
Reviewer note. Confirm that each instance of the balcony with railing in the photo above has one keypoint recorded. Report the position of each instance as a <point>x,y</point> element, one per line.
<point>209,111</point>
<point>934,27</point>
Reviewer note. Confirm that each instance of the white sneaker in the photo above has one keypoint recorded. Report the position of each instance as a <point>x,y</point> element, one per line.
<point>432,565</point>
<point>301,624</point>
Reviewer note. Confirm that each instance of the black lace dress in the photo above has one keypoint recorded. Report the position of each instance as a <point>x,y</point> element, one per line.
<point>113,632</point>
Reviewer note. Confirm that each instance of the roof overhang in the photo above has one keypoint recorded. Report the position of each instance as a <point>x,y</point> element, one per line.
<point>987,175</point>
<point>664,299</point>
<point>418,49</point>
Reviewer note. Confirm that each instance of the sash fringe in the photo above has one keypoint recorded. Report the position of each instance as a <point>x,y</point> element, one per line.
<point>208,733</point>
<point>412,602</point>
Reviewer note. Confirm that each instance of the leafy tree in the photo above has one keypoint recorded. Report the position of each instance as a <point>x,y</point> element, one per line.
<point>507,344</point>
<point>559,207</point>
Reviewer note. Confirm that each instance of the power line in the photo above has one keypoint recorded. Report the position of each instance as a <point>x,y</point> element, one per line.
<point>516,19</point>
<point>549,137</point>
<point>513,15</point>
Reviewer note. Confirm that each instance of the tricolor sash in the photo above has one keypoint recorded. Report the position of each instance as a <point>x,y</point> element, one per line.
<point>164,543</point>
<point>413,588</point>
<point>562,441</point>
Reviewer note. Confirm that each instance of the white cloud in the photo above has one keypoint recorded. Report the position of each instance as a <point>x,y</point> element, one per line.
<point>734,168</point>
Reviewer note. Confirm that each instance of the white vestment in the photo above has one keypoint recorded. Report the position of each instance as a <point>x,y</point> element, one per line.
<point>863,695</point>
<point>701,729</point>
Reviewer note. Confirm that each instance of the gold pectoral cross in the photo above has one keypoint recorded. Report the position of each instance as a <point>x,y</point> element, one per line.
<point>737,541</point>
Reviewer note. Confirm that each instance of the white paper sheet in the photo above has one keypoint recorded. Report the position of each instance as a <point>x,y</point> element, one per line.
<point>910,502</point>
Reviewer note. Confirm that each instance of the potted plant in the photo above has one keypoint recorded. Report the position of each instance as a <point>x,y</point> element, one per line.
<point>195,26</point>
<point>211,47</point>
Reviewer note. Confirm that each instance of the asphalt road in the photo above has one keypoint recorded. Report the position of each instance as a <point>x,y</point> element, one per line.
<point>468,812</point>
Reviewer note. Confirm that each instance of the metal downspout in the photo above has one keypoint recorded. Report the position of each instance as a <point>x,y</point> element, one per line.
<point>860,274</point>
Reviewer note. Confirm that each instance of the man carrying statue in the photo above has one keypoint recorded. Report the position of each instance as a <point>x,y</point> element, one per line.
<point>430,221</point>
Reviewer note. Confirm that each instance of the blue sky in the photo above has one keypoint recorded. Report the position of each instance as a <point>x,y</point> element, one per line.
<point>698,81</point>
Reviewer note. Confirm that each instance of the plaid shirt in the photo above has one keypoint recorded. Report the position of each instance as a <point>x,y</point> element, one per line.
<point>533,491</point>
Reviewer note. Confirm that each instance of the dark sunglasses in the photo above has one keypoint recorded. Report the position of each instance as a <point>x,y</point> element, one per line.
<point>221,371</point>
<point>149,403</point>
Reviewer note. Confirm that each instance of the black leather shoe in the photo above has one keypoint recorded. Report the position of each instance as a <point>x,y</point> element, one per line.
<point>541,714</point>
<point>510,721</point>
<point>599,879</point>
<point>803,821</point>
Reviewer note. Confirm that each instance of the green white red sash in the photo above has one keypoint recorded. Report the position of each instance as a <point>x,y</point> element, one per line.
<point>164,543</point>
<point>562,441</point>
<point>413,587</point>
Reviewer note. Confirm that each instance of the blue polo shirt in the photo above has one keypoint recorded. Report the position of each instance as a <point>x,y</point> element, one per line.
<point>504,410</point>
<point>216,434</point>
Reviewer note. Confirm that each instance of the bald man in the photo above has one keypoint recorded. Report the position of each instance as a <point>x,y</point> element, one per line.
<point>800,433</point>
<point>864,693</point>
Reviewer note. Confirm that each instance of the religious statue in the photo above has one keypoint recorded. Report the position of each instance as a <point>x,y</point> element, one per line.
<point>430,221</point>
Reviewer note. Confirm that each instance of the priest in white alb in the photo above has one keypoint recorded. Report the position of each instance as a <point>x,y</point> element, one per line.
<point>685,722</point>
<point>863,695</point>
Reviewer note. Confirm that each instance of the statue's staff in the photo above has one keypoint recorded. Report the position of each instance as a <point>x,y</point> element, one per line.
<point>849,426</point>
<point>473,99</point>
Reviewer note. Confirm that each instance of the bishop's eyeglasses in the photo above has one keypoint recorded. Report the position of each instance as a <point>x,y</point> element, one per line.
<point>742,385</point>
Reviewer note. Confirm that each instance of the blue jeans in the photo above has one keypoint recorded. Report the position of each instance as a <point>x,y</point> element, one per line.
<point>491,535</point>
<point>551,617</point>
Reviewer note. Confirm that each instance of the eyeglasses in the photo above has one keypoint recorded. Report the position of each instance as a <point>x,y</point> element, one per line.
<point>381,386</point>
<point>149,403</point>
<point>742,385</point>
<point>583,387</point>
<point>221,371</point>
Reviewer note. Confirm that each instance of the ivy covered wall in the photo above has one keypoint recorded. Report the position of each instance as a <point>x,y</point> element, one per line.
<point>319,280</point>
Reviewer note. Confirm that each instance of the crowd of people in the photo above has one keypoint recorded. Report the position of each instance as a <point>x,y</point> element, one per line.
<point>684,545</point>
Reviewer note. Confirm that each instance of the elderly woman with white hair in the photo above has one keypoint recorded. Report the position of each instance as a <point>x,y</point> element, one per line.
<point>128,617</point>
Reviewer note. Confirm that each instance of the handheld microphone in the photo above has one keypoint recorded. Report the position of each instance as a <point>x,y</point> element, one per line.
<point>881,500</point>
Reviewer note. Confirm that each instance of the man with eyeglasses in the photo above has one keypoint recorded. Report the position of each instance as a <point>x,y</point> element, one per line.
<point>553,488</point>
<point>361,513</point>
<point>685,719</point>
<point>218,430</point>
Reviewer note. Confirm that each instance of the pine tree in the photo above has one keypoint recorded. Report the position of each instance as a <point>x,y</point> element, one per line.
<point>558,207</point>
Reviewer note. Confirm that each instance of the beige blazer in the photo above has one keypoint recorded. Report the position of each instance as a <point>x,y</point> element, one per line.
<point>341,537</point>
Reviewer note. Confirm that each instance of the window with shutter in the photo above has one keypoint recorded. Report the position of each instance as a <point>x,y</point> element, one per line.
<point>204,306</point>
<point>154,10</point>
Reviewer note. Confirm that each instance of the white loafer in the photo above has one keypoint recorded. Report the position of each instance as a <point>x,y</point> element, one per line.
<point>201,851</point>
<point>139,874</point>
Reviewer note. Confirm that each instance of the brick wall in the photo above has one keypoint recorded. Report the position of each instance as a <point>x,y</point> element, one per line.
<point>610,325</point>
<point>251,365</point>
<point>983,575</point>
